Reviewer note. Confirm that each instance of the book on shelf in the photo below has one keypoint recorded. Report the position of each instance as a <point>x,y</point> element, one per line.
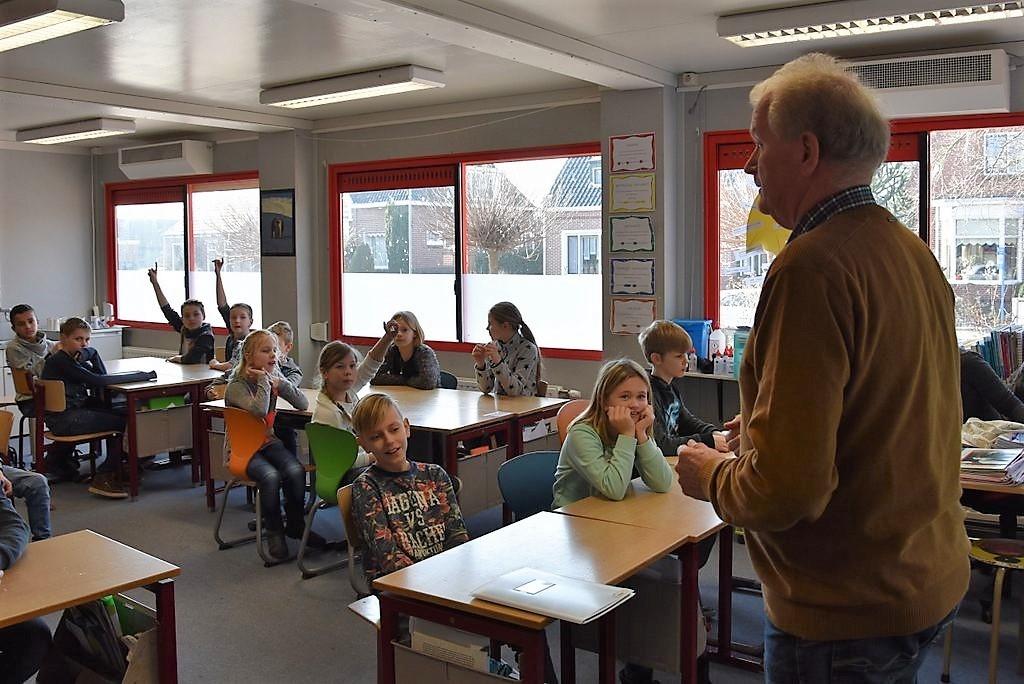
<point>564,598</point>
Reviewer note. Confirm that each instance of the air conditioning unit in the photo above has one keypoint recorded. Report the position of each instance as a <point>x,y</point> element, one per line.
<point>180,158</point>
<point>960,83</point>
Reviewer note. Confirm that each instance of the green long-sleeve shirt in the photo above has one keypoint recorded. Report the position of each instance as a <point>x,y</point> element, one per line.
<point>586,466</point>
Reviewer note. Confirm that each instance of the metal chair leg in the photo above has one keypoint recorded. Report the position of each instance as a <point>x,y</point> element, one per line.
<point>947,653</point>
<point>231,543</point>
<point>308,572</point>
<point>993,648</point>
<point>1020,636</point>
<point>21,441</point>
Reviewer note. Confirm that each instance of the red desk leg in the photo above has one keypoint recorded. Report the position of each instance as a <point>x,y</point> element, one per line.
<point>606,649</point>
<point>206,422</point>
<point>385,641</point>
<point>166,634</point>
<point>532,658</point>
<point>451,454</point>
<point>725,594</point>
<point>133,446</point>
<point>568,653</point>
<point>688,613</point>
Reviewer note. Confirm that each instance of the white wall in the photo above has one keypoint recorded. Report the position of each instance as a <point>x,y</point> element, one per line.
<point>45,233</point>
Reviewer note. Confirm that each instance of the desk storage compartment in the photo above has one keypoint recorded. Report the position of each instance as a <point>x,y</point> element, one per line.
<point>647,626</point>
<point>164,430</point>
<point>412,667</point>
<point>218,471</point>
<point>479,475</point>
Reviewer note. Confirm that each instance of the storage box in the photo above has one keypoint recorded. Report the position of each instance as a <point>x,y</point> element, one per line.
<point>416,668</point>
<point>699,331</point>
<point>447,643</point>
<point>647,626</point>
<point>164,430</point>
<point>479,475</point>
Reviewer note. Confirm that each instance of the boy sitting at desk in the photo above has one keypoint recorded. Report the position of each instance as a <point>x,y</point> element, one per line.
<point>406,510</point>
<point>665,345</point>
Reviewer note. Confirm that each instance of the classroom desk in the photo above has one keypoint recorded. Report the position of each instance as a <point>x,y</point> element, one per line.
<point>81,566</point>
<point>454,414</point>
<point>992,487</point>
<point>173,379</point>
<point>686,521</point>
<point>440,588</point>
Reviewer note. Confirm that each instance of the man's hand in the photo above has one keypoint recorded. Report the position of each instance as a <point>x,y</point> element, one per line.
<point>645,421</point>
<point>693,457</point>
<point>5,485</point>
<point>732,439</point>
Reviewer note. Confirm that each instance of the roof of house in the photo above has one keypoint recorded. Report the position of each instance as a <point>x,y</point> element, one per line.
<point>573,187</point>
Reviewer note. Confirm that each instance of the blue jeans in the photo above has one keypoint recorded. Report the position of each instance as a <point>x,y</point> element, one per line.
<point>789,659</point>
<point>274,468</point>
<point>22,649</point>
<point>77,421</point>
<point>33,488</point>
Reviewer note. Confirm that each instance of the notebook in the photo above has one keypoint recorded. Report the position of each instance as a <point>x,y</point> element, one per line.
<point>564,598</point>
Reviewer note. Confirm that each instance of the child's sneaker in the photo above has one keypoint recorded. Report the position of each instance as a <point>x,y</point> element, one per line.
<point>106,485</point>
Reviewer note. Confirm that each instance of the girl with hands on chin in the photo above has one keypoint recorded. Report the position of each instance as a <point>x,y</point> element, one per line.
<point>611,437</point>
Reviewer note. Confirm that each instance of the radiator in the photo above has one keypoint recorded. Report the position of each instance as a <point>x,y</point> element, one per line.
<point>136,352</point>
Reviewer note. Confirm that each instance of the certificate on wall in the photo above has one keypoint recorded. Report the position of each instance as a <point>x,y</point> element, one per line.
<point>630,316</point>
<point>632,276</point>
<point>631,234</point>
<point>632,152</point>
<point>632,192</point>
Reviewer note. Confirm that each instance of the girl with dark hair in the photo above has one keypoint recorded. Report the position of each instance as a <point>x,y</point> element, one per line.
<point>510,363</point>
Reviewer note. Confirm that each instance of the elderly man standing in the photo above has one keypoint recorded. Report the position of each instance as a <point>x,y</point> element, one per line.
<point>846,475</point>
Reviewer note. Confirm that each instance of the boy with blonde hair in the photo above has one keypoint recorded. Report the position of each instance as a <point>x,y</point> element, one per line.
<point>406,510</point>
<point>665,345</point>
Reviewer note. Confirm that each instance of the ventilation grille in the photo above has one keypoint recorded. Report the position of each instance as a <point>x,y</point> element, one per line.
<point>947,70</point>
<point>151,153</point>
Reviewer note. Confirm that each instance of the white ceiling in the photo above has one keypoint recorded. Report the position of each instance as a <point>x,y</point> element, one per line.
<point>196,67</point>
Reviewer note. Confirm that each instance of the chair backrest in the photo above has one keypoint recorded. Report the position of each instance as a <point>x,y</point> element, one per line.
<point>448,381</point>
<point>22,381</point>
<point>219,353</point>
<point>542,388</point>
<point>246,434</point>
<point>53,393</point>
<point>356,545</point>
<point>526,480</point>
<point>567,414</point>
<point>6,421</point>
<point>334,451</point>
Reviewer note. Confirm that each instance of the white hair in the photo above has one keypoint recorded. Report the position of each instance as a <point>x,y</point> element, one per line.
<point>815,94</point>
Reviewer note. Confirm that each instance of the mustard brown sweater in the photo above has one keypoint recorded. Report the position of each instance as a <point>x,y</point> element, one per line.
<point>848,470</point>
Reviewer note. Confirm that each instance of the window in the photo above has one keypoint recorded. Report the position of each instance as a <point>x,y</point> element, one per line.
<point>453,239</point>
<point>181,227</point>
<point>971,216</point>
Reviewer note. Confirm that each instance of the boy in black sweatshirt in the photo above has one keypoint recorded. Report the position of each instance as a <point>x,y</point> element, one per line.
<point>196,334</point>
<point>24,645</point>
<point>81,369</point>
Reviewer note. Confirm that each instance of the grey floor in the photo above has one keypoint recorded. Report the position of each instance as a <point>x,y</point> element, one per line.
<point>241,622</point>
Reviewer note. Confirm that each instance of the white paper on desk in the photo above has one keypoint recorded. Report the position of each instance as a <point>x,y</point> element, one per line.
<point>630,316</point>
<point>632,276</point>
<point>632,192</point>
<point>564,598</point>
<point>631,234</point>
<point>632,152</point>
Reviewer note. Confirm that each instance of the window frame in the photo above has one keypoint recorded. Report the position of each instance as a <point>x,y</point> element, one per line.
<point>725,150</point>
<point>459,161</point>
<point>188,185</point>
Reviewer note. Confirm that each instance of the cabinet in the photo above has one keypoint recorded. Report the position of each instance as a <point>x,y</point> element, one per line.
<point>107,341</point>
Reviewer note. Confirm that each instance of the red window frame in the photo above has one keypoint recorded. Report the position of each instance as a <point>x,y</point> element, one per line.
<point>725,150</point>
<point>458,162</point>
<point>137,194</point>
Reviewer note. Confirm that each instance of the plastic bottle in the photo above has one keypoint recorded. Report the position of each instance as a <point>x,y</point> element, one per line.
<point>728,361</point>
<point>691,361</point>
<point>716,343</point>
<point>719,365</point>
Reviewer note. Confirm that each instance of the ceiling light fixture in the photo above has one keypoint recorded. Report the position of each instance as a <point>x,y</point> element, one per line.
<point>76,130</point>
<point>23,22</point>
<point>858,17</point>
<point>324,91</point>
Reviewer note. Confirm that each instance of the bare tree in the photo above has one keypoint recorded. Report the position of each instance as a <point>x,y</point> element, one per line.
<point>233,231</point>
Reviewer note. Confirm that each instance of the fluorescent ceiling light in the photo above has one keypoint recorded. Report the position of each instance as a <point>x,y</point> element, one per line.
<point>77,130</point>
<point>857,17</point>
<point>23,22</point>
<point>353,87</point>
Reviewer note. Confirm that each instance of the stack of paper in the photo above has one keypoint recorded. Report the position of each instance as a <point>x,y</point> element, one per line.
<point>997,466</point>
<point>568,599</point>
<point>1009,440</point>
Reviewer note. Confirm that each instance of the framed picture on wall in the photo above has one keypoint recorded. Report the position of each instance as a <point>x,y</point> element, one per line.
<point>277,222</point>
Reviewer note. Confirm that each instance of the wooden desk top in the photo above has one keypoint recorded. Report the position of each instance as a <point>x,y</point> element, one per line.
<point>71,569</point>
<point>561,544</point>
<point>167,374</point>
<point>992,487</point>
<point>439,410</point>
<point>673,512</point>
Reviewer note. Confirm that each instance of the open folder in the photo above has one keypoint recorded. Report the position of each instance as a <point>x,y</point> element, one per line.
<point>568,599</point>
